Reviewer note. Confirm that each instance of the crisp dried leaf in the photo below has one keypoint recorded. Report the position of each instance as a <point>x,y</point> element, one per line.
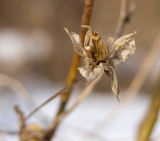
<point>110,71</point>
<point>114,83</point>
<point>76,41</point>
<point>90,74</point>
<point>122,48</point>
<point>87,37</point>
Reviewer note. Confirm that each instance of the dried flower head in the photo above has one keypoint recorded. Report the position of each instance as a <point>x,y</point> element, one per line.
<point>98,58</point>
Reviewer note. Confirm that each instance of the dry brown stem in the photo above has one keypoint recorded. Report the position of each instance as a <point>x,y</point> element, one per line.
<point>61,92</point>
<point>21,118</point>
<point>126,10</point>
<point>88,6</point>
<point>151,117</point>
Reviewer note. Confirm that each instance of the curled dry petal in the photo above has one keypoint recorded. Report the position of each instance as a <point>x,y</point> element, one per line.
<point>76,41</point>
<point>114,81</point>
<point>110,71</point>
<point>122,48</point>
<point>87,36</point>
<point>90,74</point>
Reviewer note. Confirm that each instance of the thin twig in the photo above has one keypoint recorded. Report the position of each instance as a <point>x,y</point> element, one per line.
<point>21,118</point>
<point>61,92</point>
<point>8,132</point>
<point>88,6</point>
<point>151,117</point>
<point>126,10</point>
<point>87,91</point>
<point>18,87</point>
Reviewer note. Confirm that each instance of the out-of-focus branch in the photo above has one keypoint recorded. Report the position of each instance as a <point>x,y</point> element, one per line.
<point>145,69</point>
<point>88,6</point>
<point>151,117</point>
<point>20,90</point>
<point>61,92</point>
<point>18,87</point>
<point>21,118</point>
<point>8,132</point>
<point>126,10</point>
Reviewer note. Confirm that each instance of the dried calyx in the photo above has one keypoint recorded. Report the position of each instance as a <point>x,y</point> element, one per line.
<point>100,58</point>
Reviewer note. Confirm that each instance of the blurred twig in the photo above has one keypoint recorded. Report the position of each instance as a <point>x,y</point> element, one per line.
<point>21,118</point>
<point>88,6</point>
<point>151,117</point>
<point>61,92</point>
<point>126,10</point>
<point>145,68</point>
<point>18,87</point>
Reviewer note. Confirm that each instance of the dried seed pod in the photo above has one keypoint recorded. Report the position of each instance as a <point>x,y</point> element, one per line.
<point>32,132</point>
<point>98,58</point>
<point>94,46</point>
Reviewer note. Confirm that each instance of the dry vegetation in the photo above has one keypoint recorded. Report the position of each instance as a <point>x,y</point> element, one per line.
<point>34,132</point>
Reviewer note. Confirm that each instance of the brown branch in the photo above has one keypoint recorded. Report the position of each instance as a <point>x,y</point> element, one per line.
<point>151,117</point>
<point>61,92</point>
<point>126,10</point>
<point>21,119</point>
<point>88,6</point>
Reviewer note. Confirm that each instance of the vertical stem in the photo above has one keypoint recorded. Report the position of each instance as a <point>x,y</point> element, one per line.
<point>86,17</point>
<point>21,119</point>
<point>151,117</point>
<point>126,10</point>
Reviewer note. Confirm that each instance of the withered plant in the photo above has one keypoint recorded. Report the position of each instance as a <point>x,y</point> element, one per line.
<point>98,59</point>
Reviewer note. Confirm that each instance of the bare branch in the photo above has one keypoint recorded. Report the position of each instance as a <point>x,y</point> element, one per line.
<point>21,118</point>
<point>87,11</point>
<point>151,117</point>
<point>61,92</point>
<point>8,132</point>
<point>126,10</point>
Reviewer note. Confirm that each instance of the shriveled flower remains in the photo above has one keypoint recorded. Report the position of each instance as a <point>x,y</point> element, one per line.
<point>98,57</point>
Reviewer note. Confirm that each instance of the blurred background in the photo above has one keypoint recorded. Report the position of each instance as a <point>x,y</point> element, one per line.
<point>32,38</point>
<point>35,50</point>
